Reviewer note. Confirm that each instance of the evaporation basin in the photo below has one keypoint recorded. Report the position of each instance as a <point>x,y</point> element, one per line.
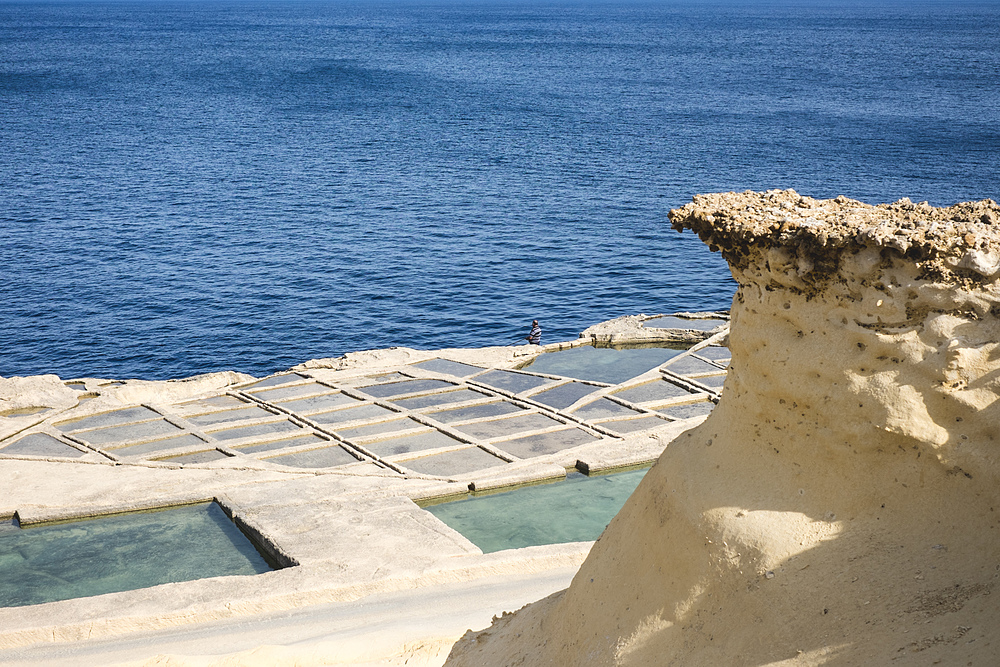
<point>610,365</point>
<point>121,552</point>
<point>575,510</point>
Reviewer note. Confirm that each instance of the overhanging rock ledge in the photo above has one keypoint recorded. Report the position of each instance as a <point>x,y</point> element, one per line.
<point>840,505</point>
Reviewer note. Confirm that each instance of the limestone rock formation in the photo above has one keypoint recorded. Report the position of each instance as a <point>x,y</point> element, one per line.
<point>841,505</point>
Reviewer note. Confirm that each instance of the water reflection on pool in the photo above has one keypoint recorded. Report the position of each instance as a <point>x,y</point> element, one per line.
<point>611,365</point>
<point>575,510</point>
<point>121,552</point>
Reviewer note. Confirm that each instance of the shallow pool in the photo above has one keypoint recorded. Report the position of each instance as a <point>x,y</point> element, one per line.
<point>611,365</point>
<point>121,552</point>
<point>575,510</point>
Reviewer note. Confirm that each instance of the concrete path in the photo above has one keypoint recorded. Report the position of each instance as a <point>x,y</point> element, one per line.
<point>416,625</point>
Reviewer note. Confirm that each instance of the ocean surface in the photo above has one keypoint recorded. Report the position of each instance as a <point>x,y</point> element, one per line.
<point>197,186</point>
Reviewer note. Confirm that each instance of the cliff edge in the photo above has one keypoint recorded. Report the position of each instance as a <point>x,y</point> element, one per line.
<point>840,506</point>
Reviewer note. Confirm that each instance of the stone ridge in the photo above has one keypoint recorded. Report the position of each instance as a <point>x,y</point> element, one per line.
<point>958,244</point>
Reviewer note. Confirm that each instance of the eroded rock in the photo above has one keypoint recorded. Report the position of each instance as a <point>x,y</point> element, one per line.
<point>840,505</point>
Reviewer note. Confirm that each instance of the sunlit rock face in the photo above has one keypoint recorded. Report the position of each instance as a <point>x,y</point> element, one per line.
<point>841,505</point>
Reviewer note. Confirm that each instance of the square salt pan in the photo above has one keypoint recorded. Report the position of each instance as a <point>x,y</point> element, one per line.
<point>513,382</point>
<point>565,395</point>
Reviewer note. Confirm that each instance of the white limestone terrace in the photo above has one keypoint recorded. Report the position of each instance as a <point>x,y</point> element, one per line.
<point>322,464</point>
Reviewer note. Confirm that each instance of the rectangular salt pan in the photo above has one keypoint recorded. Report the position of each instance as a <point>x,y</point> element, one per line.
<point>158,446</point>
<point>658,390</point>
<point>603,407</point>
<point>715,353</point>
<point>670,322</point>
<point>211,403</point>
<point>445,398</point>
<point>129,432</point>
<point>274,381</point>
<point>691,366</point>
<point>632,425</point>
<point>256,447</point>
<point>258,429</point>
<point>327,457</point>
<point>382,427</point>
<point>454,463</point>
<point>411,443</point>
<point>230,416</point>
<point>475,412</point>
<point>122,552</point>
<point>316,403</point>
<point>196,457</point>
<point>546,443</point>
<point>688,410</point>
<point>508,426</point>
<point>369,411</point>
<point>135,414</point>
<point>408,387</point>
<point>294,391</point>
<point>574,510</point>
<point>610,365</point>
<point>449,367</point>
<point>40,444</point>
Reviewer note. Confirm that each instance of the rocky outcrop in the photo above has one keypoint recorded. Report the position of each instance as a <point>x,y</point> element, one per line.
<point>840,505</point>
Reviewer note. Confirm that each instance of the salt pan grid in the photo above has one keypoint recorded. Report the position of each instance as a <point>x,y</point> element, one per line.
<point>437,418</point>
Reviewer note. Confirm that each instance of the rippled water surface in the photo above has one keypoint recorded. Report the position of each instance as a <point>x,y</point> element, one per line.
<point>188,187</point>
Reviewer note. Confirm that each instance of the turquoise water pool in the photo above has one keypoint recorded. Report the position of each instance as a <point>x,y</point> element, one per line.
<point>611,365</point>
<point>575,510</point>
<point>121,552</point>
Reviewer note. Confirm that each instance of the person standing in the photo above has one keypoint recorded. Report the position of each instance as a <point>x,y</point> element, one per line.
<point>534,337</point>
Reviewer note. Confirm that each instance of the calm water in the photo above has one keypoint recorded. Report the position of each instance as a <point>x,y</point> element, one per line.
<point>121,553</point>
<point>188,187</point>
<point>575,510</point>
<point>602,364</point>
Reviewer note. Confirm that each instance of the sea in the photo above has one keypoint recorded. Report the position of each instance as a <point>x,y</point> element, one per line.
<point>196,186</point>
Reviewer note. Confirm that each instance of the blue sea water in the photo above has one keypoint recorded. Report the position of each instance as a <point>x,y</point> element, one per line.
<point>197,186</point>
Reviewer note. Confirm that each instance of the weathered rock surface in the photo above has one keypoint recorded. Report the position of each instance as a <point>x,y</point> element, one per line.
<point>840,505</point>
